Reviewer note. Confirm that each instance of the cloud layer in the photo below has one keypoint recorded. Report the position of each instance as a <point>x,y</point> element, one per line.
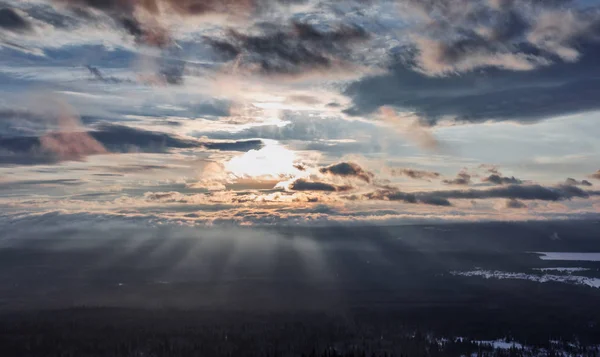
<point>281,111</point>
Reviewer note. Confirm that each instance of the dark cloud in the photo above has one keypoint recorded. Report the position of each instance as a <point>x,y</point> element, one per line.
<point>491,60</point>
<point>488,94</point>
<point>148,30</point>
<point>98,76</point>
<point>304,185</point>
<point>347,169</point>
<point>498,179</point>
<point>300,167</point>
<point>462,178</point>
<point>523,192</point>
<point>149,33</point>
<point>172,72</point>
<point>415,174</point>
<point>572,182</point>
<point>301,48</point>
<point>59,146</point>
<point>459,36</point>
<point>11,20</point>
<point>513,203</point>
<point>596,175</point>
<point>392,194</point>
<point>185,7</point>
<point>436,201</point>
<point>120,138</point>
<point>243,145</point>
<point>162,196</point>
<point>511,192</point>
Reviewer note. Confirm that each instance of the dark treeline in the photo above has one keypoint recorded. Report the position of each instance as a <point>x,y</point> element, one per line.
<point>121,332</point>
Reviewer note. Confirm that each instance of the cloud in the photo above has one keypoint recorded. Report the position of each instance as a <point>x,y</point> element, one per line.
<point>120,138</point>
<point>65,142</point>
<point>26,184</point>
<point>300,128</point>
<point>177,197</point>
<point>497,179</point>
<point>415,174</point>
<point>596,175</point>
<point>302,47</point>
<point>135,168</point>
<point>49,148</point>
<point>347,169</point>
<point>462,178</point>
<point>411,127</point>
<point>143,19</point>
<point>493,169</point>
<point>572,182</point>
<point>511,192</point>
<point>156,7</point>
<point>172,73</point>
<point>438,58</point>
<point>59,146</point>
<point>12,20</point>
<point>150,22</point>
<point>304,185</point>
<point>490,94</point>
<point>71,146</point>
<point>461,36</point>
<point>475,61</point>
<point>300,167</point>
<point>98,76</point>
<point>513,203</point>
<point>243,145</point>
<point>435,201</point>
<point>392,194</point>
<point>523,192</point>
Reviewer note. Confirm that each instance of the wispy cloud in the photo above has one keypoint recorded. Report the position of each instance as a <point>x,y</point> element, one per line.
<point>415,174</point>
<point>462,178</point>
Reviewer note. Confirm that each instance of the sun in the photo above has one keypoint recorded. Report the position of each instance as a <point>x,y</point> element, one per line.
<point>272,160</point>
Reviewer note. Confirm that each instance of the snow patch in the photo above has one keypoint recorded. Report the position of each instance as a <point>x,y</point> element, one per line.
<point>496,274</point>
<point>563,269</point>
<point>501,344</point>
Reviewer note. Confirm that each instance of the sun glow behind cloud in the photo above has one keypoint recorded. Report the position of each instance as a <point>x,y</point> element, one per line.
<point>273,160</point>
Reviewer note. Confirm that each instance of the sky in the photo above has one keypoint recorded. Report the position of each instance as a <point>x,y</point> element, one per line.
<point>298,112</point>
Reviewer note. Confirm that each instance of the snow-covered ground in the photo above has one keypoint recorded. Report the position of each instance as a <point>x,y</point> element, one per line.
<point>569,270</point>
<point>501,344</point>
<point>496,274</point>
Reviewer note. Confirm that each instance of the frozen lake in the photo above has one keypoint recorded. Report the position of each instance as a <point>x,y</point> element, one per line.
<point>587,257</point>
